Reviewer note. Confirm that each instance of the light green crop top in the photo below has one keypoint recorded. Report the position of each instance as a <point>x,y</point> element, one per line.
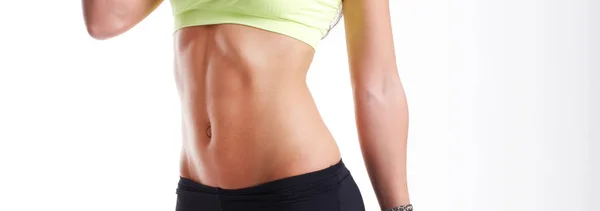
<point>306,20</point>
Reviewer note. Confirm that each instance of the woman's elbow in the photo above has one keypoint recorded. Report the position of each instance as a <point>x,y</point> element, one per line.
<point>383,90</point>
<point>102,30</point>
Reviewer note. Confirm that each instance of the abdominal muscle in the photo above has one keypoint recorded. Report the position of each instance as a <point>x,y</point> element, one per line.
<point>247,115</point>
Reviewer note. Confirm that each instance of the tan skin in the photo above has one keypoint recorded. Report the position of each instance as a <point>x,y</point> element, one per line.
<point>249,118</point>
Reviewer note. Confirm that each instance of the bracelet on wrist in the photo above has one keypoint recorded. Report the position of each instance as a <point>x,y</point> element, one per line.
<point>407,207</point>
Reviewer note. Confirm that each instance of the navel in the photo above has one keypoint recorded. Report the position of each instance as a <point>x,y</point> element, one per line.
<point>209,131</point>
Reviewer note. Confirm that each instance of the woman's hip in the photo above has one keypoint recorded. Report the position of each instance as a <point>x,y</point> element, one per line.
<point>332,188</point>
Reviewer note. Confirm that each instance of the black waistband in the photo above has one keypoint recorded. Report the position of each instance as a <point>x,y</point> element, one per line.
<point>332,174</point>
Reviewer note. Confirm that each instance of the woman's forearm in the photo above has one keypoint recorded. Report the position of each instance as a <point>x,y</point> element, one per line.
<point>382,122</point>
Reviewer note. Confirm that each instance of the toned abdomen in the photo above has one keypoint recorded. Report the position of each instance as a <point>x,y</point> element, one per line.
<point>248,116</point>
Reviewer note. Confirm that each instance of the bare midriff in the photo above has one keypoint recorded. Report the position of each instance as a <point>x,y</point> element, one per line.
<point>248,116</point>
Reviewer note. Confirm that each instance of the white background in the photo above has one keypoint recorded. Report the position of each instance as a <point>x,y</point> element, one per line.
<point>503,95</point>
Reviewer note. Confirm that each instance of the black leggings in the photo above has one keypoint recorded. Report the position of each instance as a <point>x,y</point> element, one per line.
<point>330,189</point>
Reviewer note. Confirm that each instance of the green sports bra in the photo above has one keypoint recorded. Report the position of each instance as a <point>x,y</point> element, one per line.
<point>306,20</point>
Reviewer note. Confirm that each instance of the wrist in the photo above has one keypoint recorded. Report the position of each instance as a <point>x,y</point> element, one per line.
<point>395,197</point>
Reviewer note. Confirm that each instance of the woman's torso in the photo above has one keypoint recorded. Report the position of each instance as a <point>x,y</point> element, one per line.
<point>248,116</point>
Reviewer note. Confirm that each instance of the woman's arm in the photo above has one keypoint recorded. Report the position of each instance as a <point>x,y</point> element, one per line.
<point>380,102</point>
<point>108,18</point>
